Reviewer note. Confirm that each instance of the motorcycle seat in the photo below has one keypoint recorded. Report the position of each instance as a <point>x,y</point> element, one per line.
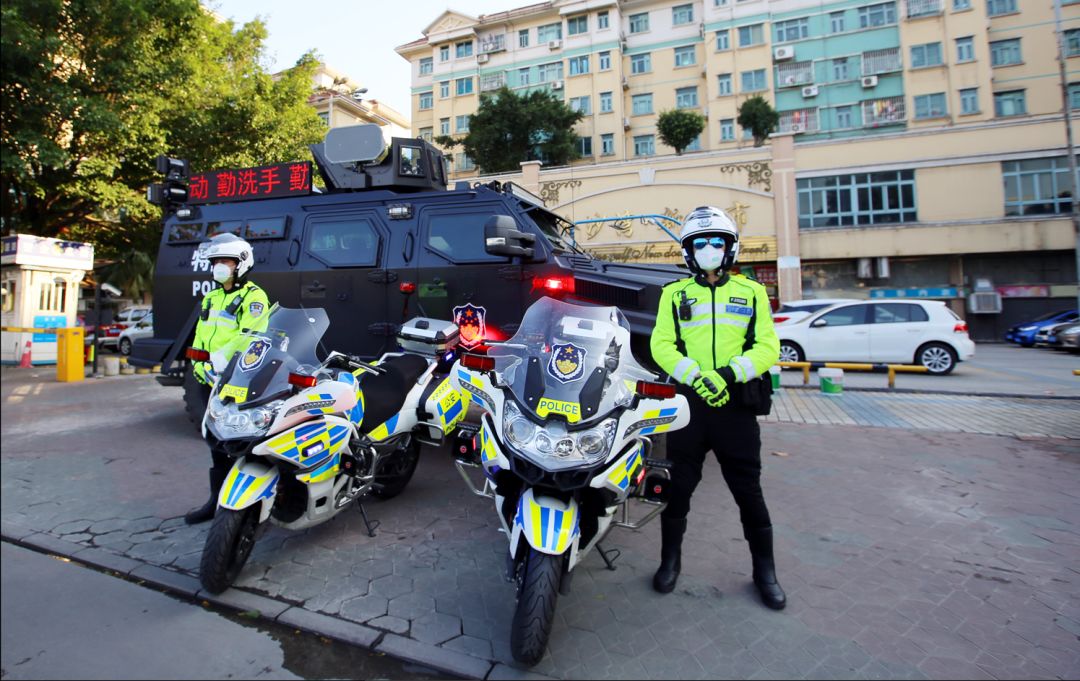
<point>384,394</point>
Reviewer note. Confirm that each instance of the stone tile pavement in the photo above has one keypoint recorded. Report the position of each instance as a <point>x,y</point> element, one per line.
<point>906,551</point>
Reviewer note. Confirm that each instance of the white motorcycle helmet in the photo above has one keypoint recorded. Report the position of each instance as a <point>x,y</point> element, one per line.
<point>230,246</point>
<point>702,223</point>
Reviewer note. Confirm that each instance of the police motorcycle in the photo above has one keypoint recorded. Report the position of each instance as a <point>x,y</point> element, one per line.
<point>563,441</point>
<point>312,436</point>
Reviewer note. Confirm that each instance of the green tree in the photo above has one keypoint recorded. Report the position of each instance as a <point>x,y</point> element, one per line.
<point>508,129</point>
<point>757,115</point>
<point>678,128</point>
<point>93,90</point>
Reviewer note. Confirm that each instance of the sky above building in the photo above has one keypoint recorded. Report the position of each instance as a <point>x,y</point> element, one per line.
<point>354,38</point>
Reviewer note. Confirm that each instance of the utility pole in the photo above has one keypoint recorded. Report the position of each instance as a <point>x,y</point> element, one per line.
<point>1069,138</point>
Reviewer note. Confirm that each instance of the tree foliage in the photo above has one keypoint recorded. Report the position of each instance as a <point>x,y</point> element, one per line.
<point>757,115</point>
<point>94,90</point>
<point>508,129</point>
<point>679,128</point>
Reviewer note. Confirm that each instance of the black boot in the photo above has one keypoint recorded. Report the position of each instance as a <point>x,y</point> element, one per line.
<point>761,551</point>
<point>206,511</point>
<point>671,534</point>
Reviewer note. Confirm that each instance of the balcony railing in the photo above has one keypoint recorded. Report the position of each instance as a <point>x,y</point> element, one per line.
<point>923,8</point>
<point>799,120</point>
<point>493,43</point>
<point>492,81</point>
<point>881,61</point>
<point>886,111</point>
<point>795,74</point>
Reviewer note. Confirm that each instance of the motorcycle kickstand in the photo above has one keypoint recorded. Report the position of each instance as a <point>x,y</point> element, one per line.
<point>367,523</point>
<point>610,562</point>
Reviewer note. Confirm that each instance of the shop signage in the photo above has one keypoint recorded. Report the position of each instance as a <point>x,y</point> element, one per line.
<point>751,249</point>
<point>939,292</point>
<point>25,249</point>
<point>1024,291</point>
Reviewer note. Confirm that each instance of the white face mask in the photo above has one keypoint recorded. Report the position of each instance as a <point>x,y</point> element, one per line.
<point>222,272</point>
<point>709,258</point>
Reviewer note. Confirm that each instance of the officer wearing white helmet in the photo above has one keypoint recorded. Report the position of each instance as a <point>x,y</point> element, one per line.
<point>714,335</point>
<point>238,306</point>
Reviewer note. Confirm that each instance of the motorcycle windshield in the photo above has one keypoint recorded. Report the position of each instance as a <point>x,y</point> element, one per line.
<point>569,361</point>
<point>259,370</point>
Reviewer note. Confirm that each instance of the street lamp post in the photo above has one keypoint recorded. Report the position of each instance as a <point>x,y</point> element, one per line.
<point>1069,138</point>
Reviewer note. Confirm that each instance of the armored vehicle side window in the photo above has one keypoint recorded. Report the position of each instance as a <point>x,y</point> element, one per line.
<point>230,227</point>
<point>266,228</point>
<point>348,242</point>
<point>181,233</point>
<point>459,237</point>
<point>411,162</point>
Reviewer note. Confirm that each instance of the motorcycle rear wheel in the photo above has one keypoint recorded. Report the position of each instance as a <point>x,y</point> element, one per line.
<point>228,546</point>
<point>395,472</point>
<point>535,610</point>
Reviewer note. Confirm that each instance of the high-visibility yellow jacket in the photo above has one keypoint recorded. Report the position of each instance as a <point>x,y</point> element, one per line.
<point>224,316</point>
<point>715,332</point>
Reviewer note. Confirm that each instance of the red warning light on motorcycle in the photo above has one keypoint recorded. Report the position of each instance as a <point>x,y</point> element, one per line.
<point>244,184</point>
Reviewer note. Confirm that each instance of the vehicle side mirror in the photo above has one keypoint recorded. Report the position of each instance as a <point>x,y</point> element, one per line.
<point>818,323</point>
<point>501,237</point>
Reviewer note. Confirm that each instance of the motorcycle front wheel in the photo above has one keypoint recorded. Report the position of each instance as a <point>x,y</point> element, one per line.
<point>228,546</point>
<point>535,610</point>
<point>395,472</point>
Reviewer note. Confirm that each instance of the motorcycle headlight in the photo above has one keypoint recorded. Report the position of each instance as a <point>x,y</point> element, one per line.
<point>232,422</point>
<point>554,447</point>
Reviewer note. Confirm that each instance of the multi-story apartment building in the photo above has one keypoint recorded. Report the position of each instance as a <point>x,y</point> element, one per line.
<point>921,144</point>
<point>339,102</point>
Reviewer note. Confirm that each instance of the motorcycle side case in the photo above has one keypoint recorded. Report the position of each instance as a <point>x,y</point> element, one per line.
<point>248,483</point>
<point>447,406</point>
<point>548,525</point>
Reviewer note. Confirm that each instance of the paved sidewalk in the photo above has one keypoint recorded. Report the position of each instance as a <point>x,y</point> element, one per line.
<point>906,552</point>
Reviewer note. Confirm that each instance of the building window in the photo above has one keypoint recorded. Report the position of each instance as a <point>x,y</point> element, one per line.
<point>685,56</point>
<point>753,81</point>
<point>444,126</point>
<point>602,20</point>
<point>682,14</point>
<point>969,101</point>
<point>1011,103</point>
<point>577,25</point>
<point>695,145</point>
<point>584,146</point>
<point>641,63</point>
<point>605,102</point>
<point>444,89</point>
<point>461,123</point>
<point>324,116</point>
<point>1074,96</point>
<point>426,66</point>
<point>883,14</point>
<point>1037,187</point>
<point>723,40</point>
<point>523,77</point>
<point>464,86</point>
<point>720,3</point>
<point>843,117</point>
<point>426,100</point>
<point>930,106</point>
<point>686,98</point>
<point>463,49</point>
<point>426,134</point>
<point>723,84</point>
<point>579,65</point>
<point>581,104</point>
<point>925,55</point>
<point>747,133</point>
<point>727,130</point>
<point>607,144</point>
<point>605,61</point>
<point>463,163</point>
<point>641,104</point>
<point>965,49</point>
<point>644,145</point>
<point>836,22</point>
<point>882,198</point>
<point>550,72</point>
<point>639,23</point>
<point>840,68</point>
<point>1005,52</point>
<point>444,53</point>
<point>998,7</point>
<point>1072,42</point>
<point>961,4</point>
<point>549,32</point>
<point>523,37</point>
<point>751,35</point>
<point>794,29</point>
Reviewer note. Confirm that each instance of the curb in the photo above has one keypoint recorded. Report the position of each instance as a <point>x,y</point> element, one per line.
<point>911,391</point>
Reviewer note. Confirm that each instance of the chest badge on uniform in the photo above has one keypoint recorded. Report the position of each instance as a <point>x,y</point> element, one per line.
<point>567,362</point>
<point>254,355</point>
<point>470,321</point>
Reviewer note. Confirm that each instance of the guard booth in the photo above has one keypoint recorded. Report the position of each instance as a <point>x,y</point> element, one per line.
<point>40,279</point>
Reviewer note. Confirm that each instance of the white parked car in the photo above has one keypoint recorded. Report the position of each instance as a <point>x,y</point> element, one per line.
<point>794,310</point>
<point>909,332</point>
<point>110,336</point>
<point>144,328</point>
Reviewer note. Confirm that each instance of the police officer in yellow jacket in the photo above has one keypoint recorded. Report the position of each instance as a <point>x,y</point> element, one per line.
<point>714,335</point>
<point>235,308</point>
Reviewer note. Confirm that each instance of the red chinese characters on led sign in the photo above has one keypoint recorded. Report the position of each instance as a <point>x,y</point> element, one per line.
<point>264,182</point>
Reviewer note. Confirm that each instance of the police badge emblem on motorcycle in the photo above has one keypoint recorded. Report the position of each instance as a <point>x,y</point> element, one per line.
<point>470,321</point>
<point>567,362</point>
<point>254,355</point>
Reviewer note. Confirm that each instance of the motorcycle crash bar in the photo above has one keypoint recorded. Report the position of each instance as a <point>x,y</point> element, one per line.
<point>660,391</point>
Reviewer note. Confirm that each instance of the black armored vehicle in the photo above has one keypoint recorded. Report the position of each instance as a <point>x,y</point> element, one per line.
<point>384,241</point>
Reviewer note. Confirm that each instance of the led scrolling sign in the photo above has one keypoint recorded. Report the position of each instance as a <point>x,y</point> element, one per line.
<point>264,182</point>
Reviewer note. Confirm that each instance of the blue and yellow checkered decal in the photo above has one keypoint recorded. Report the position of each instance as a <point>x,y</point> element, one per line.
<point>241,490</point>
<point>385,430</point>
<point>311,444</point>
<point>550,530</point>
<point>450,405</point>
<point>624,470</point>
<point>473,385</point>
<point>356,414</point>
<point>655,421</point>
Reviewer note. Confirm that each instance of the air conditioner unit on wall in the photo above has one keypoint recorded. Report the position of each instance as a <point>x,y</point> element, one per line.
<point>625,83</point>
<point>482,58</point>
<point>869,81</point>
<point>984,299</point>
<point>783,52</point>
<point>797,127</point>
<point>554,44</point>
<point>626,123</point>
<point>556,85</point>
<point>810,91</point>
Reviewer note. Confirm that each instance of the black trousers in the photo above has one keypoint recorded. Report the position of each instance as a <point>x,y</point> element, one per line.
<point>220,461</point>
<point>733,435</point>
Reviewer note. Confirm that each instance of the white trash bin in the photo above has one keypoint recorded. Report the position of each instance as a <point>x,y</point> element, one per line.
<point>832,381</point>
<point>112,366</point>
